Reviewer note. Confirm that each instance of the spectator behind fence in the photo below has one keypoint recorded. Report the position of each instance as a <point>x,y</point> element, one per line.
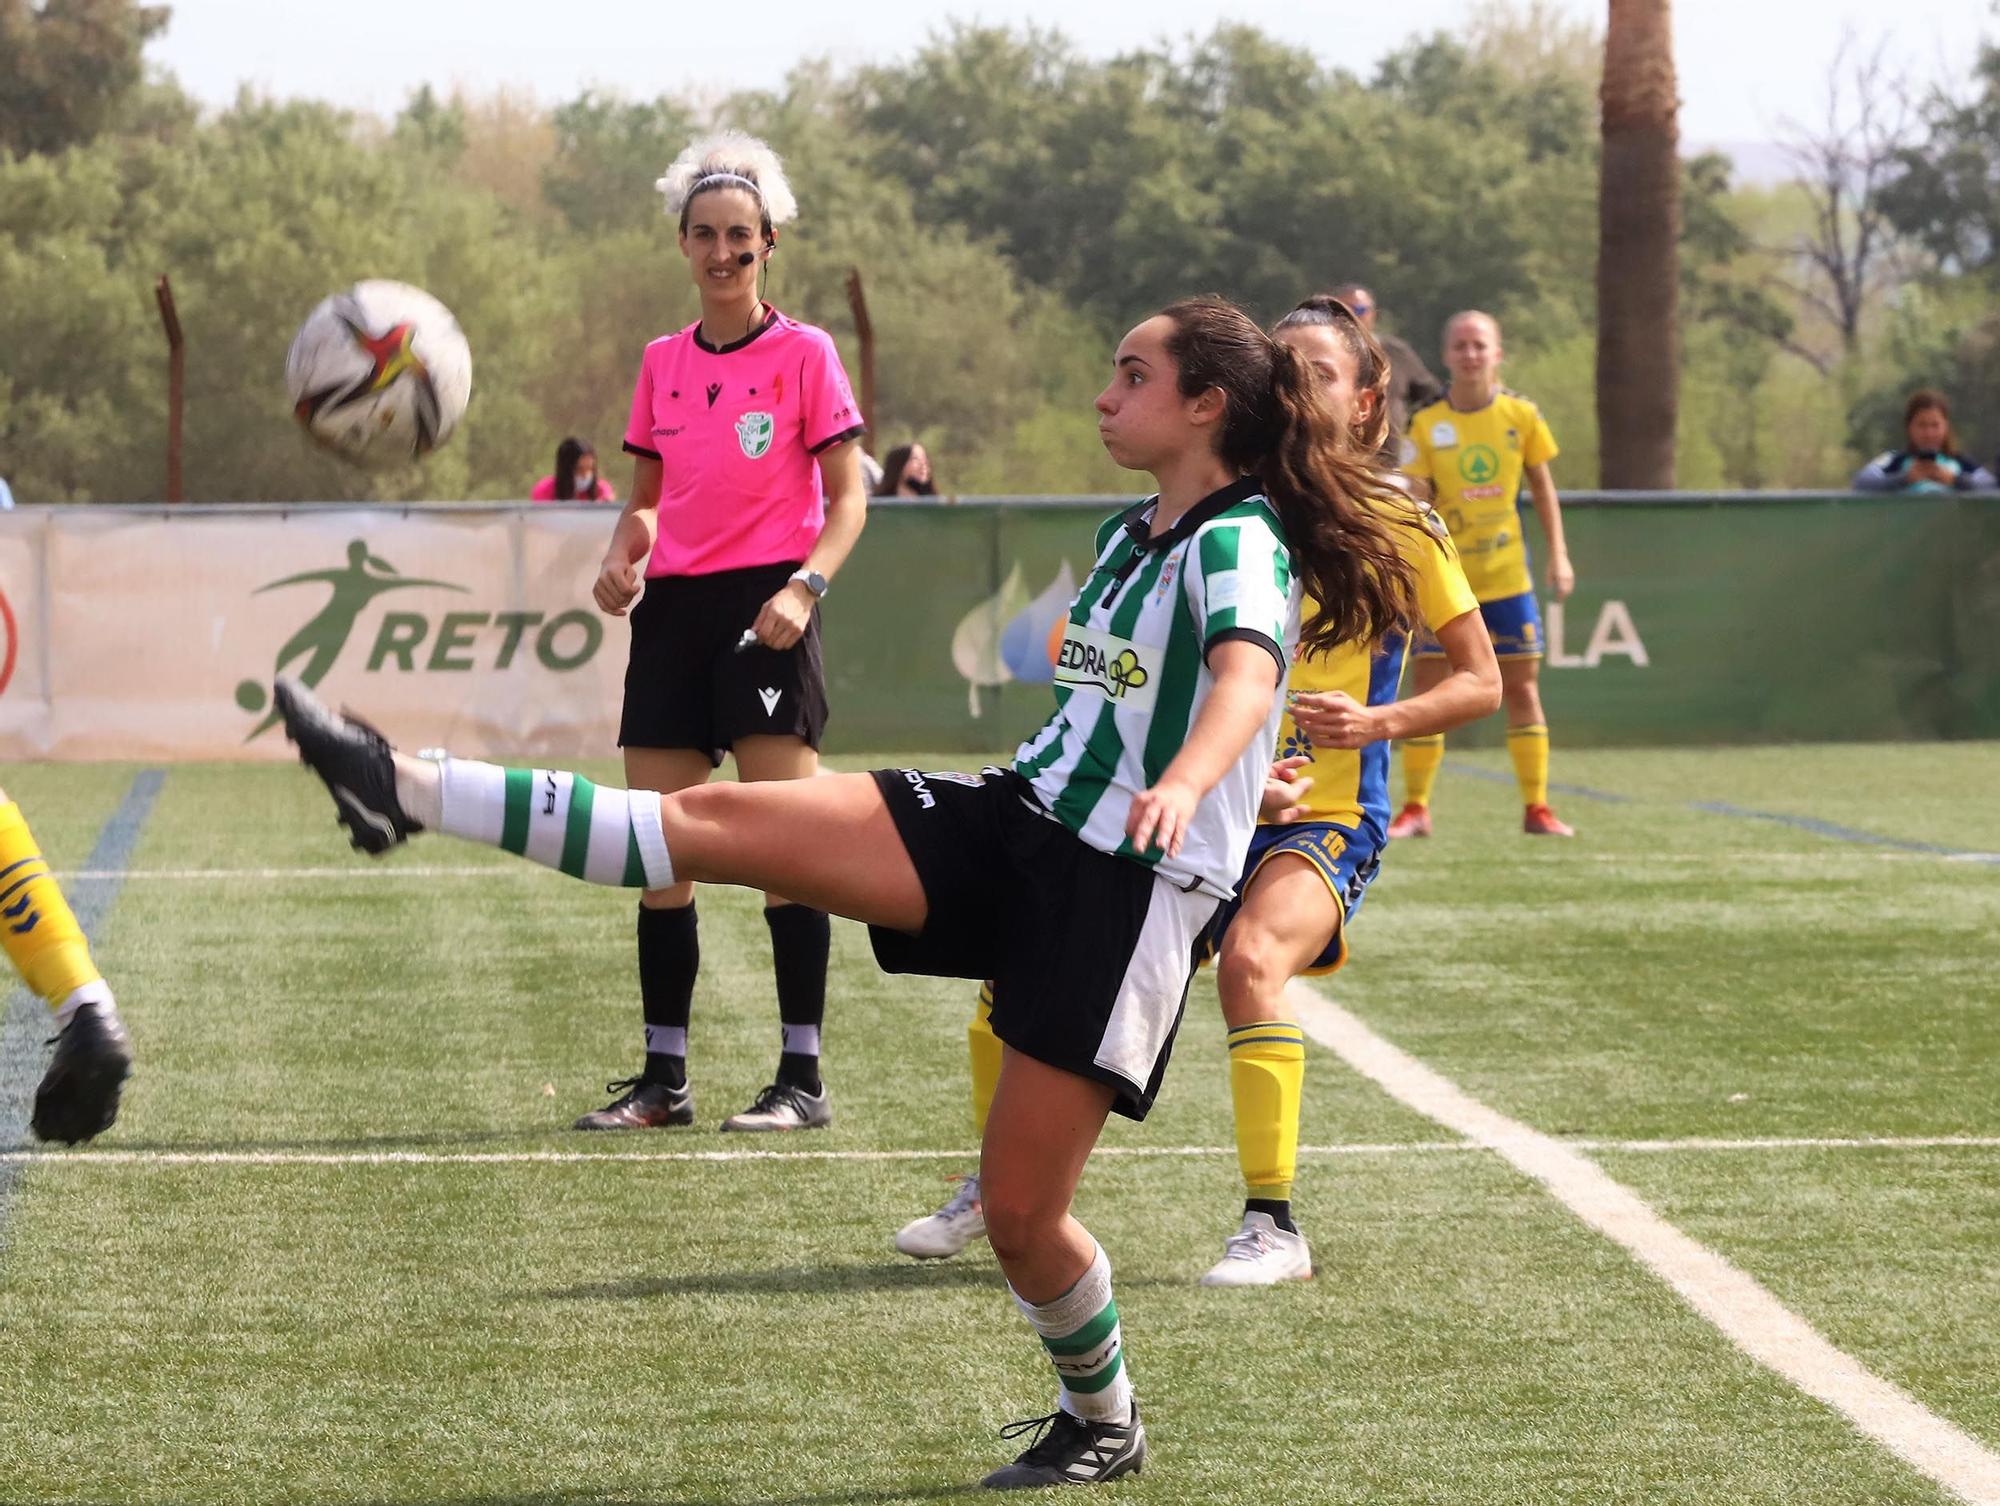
<point>576,478</point>
<point>1929,460</point>
<point>906,472</point>
<point>1411,385</point>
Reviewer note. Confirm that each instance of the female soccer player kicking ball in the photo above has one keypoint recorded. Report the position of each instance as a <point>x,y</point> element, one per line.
<point>1311,859</point>
<point>77,1097</point>
<point>1079,878</point>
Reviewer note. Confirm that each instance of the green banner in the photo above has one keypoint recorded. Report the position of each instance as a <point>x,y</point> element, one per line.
<point>1731,620</point>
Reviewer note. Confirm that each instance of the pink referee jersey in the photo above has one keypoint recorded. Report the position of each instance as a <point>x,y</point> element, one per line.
<point>736,429</point>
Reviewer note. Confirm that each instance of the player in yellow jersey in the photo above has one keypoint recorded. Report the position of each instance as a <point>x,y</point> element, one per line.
<point>1473,448</point>
<point>1309,864</point>
<point>78,1095</point>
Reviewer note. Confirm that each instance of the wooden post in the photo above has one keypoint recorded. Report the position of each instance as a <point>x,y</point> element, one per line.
<point>857,302</point>
<point>176,374</point>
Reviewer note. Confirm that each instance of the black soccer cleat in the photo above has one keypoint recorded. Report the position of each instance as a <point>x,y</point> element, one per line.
<point>644,1105</point>
<point>354,761</point>
<point>77,1097</point>
<point>1071,1451</point>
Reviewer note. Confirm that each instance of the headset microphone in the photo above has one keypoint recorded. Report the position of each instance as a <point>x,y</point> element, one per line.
<point>745,258</point>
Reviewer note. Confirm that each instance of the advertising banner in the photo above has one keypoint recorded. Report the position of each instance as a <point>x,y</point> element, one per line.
<point>154,633</point>
<point>145,634</point>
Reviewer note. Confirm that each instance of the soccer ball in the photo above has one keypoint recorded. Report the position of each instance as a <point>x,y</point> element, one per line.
<point>380,373</point>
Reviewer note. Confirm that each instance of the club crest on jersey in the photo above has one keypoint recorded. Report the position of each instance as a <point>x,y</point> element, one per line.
<point>753,433</point>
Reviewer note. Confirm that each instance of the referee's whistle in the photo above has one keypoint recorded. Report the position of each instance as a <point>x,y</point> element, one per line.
<point>748,640</point>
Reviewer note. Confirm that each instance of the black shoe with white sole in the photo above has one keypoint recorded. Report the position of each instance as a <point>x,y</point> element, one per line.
<point>356,763</point>
<point>1071,1451</point>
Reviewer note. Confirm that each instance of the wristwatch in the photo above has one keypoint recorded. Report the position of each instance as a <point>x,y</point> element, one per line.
<point>812,580</point>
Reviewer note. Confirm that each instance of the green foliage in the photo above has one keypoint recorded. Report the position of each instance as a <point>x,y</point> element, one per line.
<point>66,67</point>
<point>1946,196</point>
<point>1011,204</point>
<point>1945,337</point>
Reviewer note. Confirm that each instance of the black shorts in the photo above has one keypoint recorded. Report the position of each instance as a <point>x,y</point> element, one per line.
<point>1090,955</point>
<point>686,686</point>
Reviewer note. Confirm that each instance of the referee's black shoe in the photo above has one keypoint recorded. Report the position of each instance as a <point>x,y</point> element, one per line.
<point>1069,1450</point>
<point>77,1097</point>
<point>356,763</point>
<point>643,1104</point>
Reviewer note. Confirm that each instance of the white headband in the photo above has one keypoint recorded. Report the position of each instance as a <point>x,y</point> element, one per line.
<point>726,177</point>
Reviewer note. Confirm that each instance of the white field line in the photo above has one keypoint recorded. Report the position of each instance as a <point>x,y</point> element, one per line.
<point>1742,1308</point>
<point>954,1153</point>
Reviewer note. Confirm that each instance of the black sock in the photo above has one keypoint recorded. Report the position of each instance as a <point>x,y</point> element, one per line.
<point>1280,1210</point>
<point>669,957</point>
<point>800,939</point>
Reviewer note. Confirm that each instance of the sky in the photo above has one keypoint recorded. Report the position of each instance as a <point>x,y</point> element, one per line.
<point>1745,65</point>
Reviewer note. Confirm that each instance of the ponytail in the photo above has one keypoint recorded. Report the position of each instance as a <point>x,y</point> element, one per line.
<point>1318,476</point>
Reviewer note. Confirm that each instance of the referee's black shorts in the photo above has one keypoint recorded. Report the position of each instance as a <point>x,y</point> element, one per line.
<point>1090,954</point>
<point>686,686</point>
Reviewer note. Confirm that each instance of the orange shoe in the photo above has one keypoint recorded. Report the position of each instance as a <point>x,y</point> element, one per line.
<point>1412,821</point>
<point>1540,821</point>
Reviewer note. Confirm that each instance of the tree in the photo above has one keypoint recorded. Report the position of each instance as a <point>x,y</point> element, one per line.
<point>1638,268</point>
<point>1943,193</point>
<point>66,67</point>
<point>608,154</point>
<point>1843,164</point>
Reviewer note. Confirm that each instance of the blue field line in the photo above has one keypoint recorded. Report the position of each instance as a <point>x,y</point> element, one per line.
<point>1842,833</point>
<point>28,1023</point>
<point>1743,812</point>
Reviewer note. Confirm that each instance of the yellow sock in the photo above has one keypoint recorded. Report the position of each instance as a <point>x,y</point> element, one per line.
<point>983,1046</point>
<point>1421,757</point>
<point>1267,1072</point>
<point>1529,748</point>
<point>37,926</point>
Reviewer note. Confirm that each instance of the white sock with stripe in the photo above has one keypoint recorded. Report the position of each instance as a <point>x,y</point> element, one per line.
<point>557,819</point>
<point>1080,1331</point>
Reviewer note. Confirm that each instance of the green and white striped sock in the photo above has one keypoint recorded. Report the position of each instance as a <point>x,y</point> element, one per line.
<point>1080,1331</point>
<point>557,819</point>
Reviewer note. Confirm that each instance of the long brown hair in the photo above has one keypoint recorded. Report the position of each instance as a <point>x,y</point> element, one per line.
<point>1277,427</point>
<point>1923,400</point>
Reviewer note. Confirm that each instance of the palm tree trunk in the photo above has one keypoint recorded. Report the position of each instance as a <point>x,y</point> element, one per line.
<point>1638,250</point>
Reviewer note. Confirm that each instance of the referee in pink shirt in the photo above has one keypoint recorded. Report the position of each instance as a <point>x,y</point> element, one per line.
<point>746,497</point>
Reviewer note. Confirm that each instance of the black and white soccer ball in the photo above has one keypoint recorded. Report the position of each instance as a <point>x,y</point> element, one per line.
<point>380,373</point>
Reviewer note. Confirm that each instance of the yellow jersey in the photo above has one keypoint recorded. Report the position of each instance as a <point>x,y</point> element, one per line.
<point>1350,785</point>
<point>1474,463</point>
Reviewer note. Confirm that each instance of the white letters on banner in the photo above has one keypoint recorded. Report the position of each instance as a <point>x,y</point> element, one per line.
<point>1613,634</point>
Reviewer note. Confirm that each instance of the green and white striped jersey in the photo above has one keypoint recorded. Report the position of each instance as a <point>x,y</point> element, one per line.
<point>1133,676</point>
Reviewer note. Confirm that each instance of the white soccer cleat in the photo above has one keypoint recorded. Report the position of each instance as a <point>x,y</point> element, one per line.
<point>1261,1254</point>
<point>945,1233</point>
